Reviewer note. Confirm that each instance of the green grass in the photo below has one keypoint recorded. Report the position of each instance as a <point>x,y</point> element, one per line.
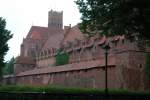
<point>58,89</point>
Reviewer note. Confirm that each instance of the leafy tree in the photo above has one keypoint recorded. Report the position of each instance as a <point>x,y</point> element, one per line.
<point>147,71</point>
<point>4,37</point>
<point>9,67</point>
<point>115,17</point>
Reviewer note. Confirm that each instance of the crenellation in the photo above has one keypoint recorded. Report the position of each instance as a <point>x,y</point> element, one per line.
<point>90,48</point>
<point>36,64</point>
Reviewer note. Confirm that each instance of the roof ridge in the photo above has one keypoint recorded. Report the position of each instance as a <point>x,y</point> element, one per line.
<point>39,26</point>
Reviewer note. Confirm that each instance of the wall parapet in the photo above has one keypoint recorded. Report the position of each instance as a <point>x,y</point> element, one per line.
<point>81,45</point>
<point>70,67</point>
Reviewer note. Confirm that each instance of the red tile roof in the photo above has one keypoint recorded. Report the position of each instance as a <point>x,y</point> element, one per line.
<point>37,32</point>
<point>72,34</point>
<point>54,40</point>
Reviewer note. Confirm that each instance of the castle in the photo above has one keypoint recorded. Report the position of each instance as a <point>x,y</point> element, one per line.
<point>36,64</point>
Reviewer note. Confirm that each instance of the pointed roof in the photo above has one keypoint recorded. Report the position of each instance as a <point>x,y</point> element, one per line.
<point>54,40</point>
<point>72,34</point>
<point>37,32</point>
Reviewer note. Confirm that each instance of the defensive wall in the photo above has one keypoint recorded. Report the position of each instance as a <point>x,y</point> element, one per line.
<point>126,68</point>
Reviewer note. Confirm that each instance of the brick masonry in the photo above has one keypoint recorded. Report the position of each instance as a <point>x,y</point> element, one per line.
<point>36,64</point>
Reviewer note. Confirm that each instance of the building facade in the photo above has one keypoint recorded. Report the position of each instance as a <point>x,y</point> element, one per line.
<point>36,64</point>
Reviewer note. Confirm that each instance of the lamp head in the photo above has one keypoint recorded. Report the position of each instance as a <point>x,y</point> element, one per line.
<point>106,47</point>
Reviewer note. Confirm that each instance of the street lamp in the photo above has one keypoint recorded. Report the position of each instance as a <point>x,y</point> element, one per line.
<point>106,48</point>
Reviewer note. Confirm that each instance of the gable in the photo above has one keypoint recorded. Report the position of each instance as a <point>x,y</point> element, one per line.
<point>37,32</point>
<point>72,34</point>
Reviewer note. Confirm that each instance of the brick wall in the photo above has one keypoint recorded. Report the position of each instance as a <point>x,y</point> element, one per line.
<point>87,78</point>
<point>49,61</point>
<point>23,67</point>
<point>127,73</point>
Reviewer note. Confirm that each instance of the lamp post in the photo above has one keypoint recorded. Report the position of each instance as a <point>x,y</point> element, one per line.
<point>106,49</point>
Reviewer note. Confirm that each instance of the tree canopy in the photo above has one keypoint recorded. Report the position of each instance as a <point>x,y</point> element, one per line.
<point>9,67</point>
<point>115,17</point>
<point>5,35</point>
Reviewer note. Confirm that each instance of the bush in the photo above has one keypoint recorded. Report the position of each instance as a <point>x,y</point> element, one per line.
<point>62,93</point>
<point>58,89</point>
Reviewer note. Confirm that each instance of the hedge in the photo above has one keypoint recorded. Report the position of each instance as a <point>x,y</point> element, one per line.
<point>62,93</point>
<point>58,89</point>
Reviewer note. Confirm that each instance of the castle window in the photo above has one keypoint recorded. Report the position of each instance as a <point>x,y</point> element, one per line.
<point>140,66</point>
<point>45,52</point>
<point>123,41</point>
<point>116,43</point>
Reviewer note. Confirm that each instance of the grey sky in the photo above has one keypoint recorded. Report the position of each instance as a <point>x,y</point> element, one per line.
<point>20,15</point>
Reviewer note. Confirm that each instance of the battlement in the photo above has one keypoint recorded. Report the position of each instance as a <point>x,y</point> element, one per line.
<point>83,44</point>
<point>87,49</point>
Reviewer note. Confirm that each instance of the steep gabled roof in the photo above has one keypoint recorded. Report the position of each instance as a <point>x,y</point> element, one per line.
<point>72,34</point>
<point>37,32</point>
<point>54,40</point>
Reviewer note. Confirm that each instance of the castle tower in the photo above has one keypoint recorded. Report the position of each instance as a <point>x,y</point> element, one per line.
<point>55,19</point>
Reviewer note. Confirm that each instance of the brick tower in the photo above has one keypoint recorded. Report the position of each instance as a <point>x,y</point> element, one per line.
<point>55,19</point>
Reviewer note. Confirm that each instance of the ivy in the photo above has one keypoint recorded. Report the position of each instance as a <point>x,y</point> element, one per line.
<point>62,57</point>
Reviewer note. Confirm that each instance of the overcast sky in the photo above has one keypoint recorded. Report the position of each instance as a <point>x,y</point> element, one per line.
<point>20,15</point>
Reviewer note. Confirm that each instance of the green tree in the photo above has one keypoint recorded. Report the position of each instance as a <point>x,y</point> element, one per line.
<point>147,71</point>
<point>4,37</point>
<point>9,67</point>
<point>115,17</point>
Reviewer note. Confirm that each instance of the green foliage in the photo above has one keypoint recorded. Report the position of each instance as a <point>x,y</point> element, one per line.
<point>47,89</point>
<point>4,37</point>
<point>147,67</point>
<point>115,17</point>
<point>59,89</point>
<point>61,93</point>
<point>9,67</point>
<point>62,57</point>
